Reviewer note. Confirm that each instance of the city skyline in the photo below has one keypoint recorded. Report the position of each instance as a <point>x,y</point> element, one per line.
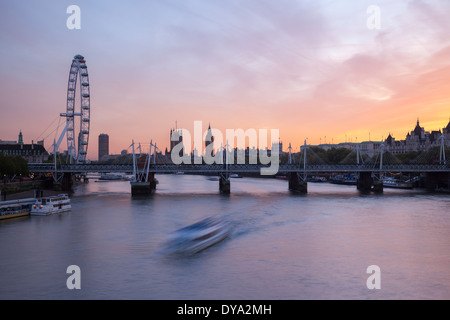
<point>310,70</point>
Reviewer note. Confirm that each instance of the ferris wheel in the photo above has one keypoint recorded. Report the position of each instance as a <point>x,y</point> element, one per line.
<point>77,114</point>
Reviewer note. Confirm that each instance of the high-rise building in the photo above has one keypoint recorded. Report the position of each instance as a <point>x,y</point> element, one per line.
<point>103,145</point>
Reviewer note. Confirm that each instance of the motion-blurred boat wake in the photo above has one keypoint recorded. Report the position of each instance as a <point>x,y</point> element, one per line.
<point>198,236</point>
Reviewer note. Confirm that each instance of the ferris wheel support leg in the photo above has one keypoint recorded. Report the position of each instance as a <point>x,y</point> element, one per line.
<point>60,138</point>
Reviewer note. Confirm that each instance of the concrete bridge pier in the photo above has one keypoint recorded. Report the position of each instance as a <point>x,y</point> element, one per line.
<point>143,188</point>
<point>67,181</point>
<point>377,186</point>
<point>436,181</point>
<point>366,183</point>
<point>296,184</point>
<point>224,185</point>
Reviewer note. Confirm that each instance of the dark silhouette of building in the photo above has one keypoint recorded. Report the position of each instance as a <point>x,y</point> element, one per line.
<point>32,153</point>
<point>103,145</point>
<point>209,140</point>
<point>173,143</point>
<point>417,140</point>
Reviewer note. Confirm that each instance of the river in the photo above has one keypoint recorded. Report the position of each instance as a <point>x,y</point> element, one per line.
<point>283,246</point>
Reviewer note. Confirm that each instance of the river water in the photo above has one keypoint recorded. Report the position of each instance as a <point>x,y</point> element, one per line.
<point>283,246</point>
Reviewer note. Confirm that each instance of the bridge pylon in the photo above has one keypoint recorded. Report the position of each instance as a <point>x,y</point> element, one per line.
<point>224,184</point>
<point>143,182</point>
<point>371,181</point>
<point>224,177</point>
<point>297,180</point>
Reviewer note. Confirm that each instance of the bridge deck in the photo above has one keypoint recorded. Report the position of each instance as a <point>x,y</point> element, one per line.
<point>235,168</point>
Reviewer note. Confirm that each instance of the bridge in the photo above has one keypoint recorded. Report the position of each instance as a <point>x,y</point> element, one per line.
<point>369,176</point>
<point>369,171</point>
<point>233,168</point>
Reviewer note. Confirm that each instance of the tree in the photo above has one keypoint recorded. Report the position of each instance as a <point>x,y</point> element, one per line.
<point>10,166</point>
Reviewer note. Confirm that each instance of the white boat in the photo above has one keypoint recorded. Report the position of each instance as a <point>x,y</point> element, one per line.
<point>389,182</point>
<point>49,205</point>
<point>198,236</point>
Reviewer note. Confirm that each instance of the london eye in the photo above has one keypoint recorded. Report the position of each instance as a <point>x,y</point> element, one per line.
<point>77,113</point>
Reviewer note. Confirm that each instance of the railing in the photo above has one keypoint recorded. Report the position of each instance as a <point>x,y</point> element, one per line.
<point>235,168</point>
<point>79,168</point>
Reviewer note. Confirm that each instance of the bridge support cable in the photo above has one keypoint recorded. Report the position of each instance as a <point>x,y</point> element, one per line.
<point>442,159</point>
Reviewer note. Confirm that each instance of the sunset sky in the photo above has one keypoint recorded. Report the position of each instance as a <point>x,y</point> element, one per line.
<point>312,69</point>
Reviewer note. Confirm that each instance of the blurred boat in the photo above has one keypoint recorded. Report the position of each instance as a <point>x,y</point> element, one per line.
<point>198,236</point>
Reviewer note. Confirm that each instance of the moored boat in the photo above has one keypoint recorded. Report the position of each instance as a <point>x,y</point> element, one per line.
<point>442,190</point>
<point>346,180</point>
<point>14,209</point>
<point>113,177</point>
<point>389,182</point>
<point>49,205</point>
<point>317,179</point>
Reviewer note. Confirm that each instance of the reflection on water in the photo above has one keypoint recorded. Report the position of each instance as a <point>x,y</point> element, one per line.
<point>283,246</point>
